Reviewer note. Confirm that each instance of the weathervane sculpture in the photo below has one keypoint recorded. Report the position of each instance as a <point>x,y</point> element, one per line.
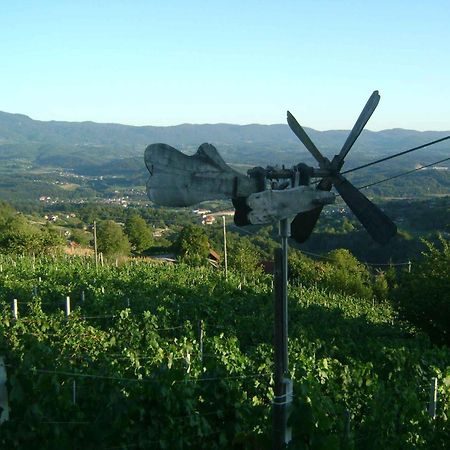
<point>270,194</point>
<point>266,196</point>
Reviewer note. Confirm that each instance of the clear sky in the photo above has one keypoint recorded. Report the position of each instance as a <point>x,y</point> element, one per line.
<point>166,62</point>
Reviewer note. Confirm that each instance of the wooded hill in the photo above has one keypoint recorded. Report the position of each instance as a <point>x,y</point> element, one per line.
<point>70,144</point>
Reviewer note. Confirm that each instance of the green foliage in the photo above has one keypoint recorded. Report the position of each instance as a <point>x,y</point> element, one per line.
<point>192,245</point>
<point>51,237</point>
<point>348,275</point>
<point>7,212</point>
<point>340,272</point>
<point>244,257</point>
<point>111,239</point>
<point>133,347</point>
<point>423,295</point>
<point>138,232</point>
<point>18,235</point>
<point>81,237</point>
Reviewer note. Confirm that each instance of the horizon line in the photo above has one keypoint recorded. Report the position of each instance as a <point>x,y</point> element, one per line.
<point>214,124</point>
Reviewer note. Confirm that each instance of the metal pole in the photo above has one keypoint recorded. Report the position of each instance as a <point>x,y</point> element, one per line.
<point>283,385</point>
<point>284,235</point>
<point>225,247</point>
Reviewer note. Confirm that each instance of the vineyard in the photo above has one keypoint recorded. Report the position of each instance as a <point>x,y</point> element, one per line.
<point>174,357</point>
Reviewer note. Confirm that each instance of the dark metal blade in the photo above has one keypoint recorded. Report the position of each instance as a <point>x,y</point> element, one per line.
<point>363,118</point>
<point>375,221</point>
<point>304,138</point>
<point>241,211</point>
<point>303,224</point>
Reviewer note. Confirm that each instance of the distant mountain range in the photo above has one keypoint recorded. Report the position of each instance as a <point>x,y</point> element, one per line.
<point>88,146</point>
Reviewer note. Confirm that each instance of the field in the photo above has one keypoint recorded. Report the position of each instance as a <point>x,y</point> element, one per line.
<point>174,357</point>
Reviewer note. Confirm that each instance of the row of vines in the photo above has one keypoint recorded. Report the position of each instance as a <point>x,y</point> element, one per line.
<point>175,357</point>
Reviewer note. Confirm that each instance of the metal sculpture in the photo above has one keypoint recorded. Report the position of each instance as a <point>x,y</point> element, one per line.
<point>266,195</point>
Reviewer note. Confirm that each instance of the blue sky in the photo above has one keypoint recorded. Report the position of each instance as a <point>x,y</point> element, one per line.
<point>171,62</point>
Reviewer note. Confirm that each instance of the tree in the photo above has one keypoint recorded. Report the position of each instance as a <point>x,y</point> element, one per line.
<point>423,295</point>
<point>192,245</point>
<point>18,235</point>
<point>348,275</point>
<point>341,272</point>
<point>139,233</point>
<point>81,237</point>
<point>50,237</point>
<point>243,256</point>
<point>7,212</point>
<point>111,239</point>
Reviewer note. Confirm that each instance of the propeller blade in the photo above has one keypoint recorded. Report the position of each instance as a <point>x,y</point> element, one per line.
<point>363,118</point>
<point>303,224</point>
<point>304,138</point>
<point>375,221</point>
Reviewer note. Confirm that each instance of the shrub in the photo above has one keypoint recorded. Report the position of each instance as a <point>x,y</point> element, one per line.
<point>423,295</point>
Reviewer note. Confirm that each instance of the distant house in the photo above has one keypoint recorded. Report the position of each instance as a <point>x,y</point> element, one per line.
<point>225,213</point>
<point>208,220</point>
<point>158,232</point>
<point>167,257</point>
<point>201,212</point>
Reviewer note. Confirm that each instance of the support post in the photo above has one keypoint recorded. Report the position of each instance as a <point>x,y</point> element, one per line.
<point>74,392</point>
<point>95,244</point>
<point>15,309</point>
<point>283,385</point>
<point>225,257</point>
<point>4,405</point>
<point>433,398</point>
<point>67,306</point>
<point>200,339</point>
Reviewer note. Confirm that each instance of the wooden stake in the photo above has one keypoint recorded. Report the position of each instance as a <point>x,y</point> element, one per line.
<point>4,405</point>
<point>433,398</point>
<point>15,309</point>
<point>67,306</point>
<point>200,339</point>
<point>95,244</point>
<point>225,247</point>
<point>74,392</point>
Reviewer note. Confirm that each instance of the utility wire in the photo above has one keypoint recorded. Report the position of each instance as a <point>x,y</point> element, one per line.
<point>331,259</point>
<point>395,155</point>
<point>144,380</point>
<point>402,174</point>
